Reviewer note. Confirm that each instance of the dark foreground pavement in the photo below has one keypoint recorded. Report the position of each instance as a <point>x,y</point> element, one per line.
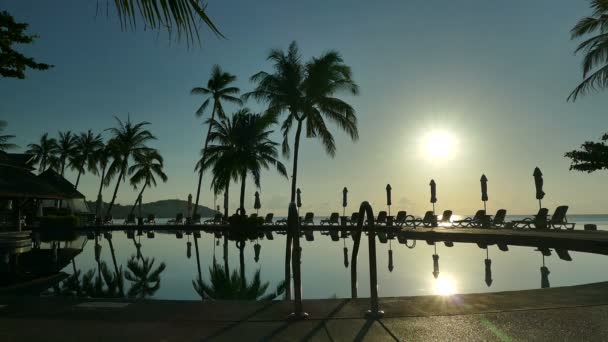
<point>568,313</point>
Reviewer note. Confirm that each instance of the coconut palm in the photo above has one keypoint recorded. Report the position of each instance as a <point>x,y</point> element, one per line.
<point>128,141</point>
<point>86,148</point>
<point>307,94</point>
<point>224,286</point>
<point>144,280</point>
<point>242,146</point>
<point>66,149</point>
<point>218,89</point>
<point>594,47</point>
<point>102,157</point>
<point>5,145</point>
<point>43,152</point>
<point>146,167</point>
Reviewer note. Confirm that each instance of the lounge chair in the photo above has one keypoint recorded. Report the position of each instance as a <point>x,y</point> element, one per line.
<point>130,219</point>
<point>108,220</point>
<point>498,220</point>
<point>281,222</point>
<point>308,219</point>
<point>268,219</point>
<point>354,219</point>
<point>480,219</point>
<point>381,219</point>
<point>179,219</point>
<point>334,219</point>
<point>557,220</point>
<point>196,219</point>
<point>402,217</point>
<point>253,216</point>
<point>540,218</point>
<point>429,220</point>
<point>217,219</point>
<point>446,217</point>
<point>151,219</point>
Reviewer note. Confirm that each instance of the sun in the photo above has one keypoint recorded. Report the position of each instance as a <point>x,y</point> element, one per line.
<point>439,145</point>
<point>445,285</point>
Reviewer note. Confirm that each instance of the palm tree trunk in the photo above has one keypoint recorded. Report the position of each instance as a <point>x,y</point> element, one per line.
<point>242,263</point>
<point>103,175</point>
<point>200,174</point>
<point>116,189</point>
<point>242,200</point>
<point>226,207</point>
<point>226,254</point>
<point>139,198</point>
<point>79,173</point>
<point>113,256</point>
<point>289,238</point>
<point>198,259</point>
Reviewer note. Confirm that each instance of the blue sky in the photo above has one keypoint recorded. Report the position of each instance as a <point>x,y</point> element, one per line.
<point>492,75</point>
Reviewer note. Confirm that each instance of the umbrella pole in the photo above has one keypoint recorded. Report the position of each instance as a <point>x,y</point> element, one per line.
<point>433,208</point>
<point>539,205</point>
<point>484,205</point>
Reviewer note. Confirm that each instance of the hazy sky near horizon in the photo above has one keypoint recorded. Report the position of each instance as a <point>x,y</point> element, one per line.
<point>493,76</point>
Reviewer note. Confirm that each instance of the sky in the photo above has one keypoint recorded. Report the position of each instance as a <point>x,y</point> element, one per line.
<point>487,81</point>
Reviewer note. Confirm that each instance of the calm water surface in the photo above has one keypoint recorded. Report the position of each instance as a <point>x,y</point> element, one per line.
<point>461,269</point>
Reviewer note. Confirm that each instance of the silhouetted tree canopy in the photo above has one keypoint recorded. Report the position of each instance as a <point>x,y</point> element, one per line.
<point>13,63</point>
<point>592,156</point>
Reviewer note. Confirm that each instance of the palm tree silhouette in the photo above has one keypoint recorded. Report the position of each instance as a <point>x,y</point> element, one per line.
<point>128,141</point>
<point>86,149</point>
<point>144,280</point>
<point>66,144</point>
<point>224,286</point>
<point>146,166</point>
<point>595,48</point>
<point>44,151</point>
<point>5,145</point>
<point>218,89</point>
<point>307,93</point>
<point>102,158</point>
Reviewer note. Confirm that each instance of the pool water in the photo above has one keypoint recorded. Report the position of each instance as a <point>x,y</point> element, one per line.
<point>420,269</point>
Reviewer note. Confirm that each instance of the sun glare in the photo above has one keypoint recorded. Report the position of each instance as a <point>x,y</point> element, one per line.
<point>439,145</point>
<point>445,285</point>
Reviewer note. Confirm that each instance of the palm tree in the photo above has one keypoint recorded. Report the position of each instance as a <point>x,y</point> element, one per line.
<point>146,166</point>
<point>102,157</point>
<point>86,148</point>
<point>243,146</point>
<point>307,94</point>
<point>44,151</point>
<point>595,48</point>
<point>144,280</point>
<point>5,145</point>
<point>66,148</point>
<point>224,286</point>
<point>128,141</point>
<point>218,89</point>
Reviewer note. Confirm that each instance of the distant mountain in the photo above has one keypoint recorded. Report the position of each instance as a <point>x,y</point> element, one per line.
<point>162,209</point>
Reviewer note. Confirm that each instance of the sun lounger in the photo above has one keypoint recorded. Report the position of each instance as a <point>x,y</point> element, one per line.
<point>354,218</point>
<point>179,219</point>
<point>446,217</point>
<point>196,219</point>
<point>498,220</point>
<point>381,219</point>
<point>559,220</point>
<point>402,217</point>
<point>540,217</point>
<point>334,219</point>
<point>217,219</point>
<point>151,219</point>
<point>130,219</point>
<point>308,219</point>
<point>268,219</point>
<point>429,220</point>
<point>479,220</point>
<point>281,222</point>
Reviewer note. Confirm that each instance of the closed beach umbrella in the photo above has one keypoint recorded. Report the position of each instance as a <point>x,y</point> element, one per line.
<point>436,265</point>
<point>388,198</point>
<point>344,200</point>
<point>298,198</point>
<point>489,280</point>
<point>538,183</point>
<point>484,190</point>
<point>257,204</point>
<point>433,193</point>
<point>544,278</point>
<point>189,207</point>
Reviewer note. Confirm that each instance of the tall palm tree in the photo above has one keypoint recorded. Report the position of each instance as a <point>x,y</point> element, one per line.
<point>307,94</point>
<point>128,141</point>
<point>218,89</point>
<point>146,167</point>
<point>242,146</point>
<point>86,148</point>
<point>224,286</point>
<point>44,151</point>
<point>5,145</point>
<point>145,281</point>
<point>595,48</point>
<point>66,149</point>
<point>102,157</point>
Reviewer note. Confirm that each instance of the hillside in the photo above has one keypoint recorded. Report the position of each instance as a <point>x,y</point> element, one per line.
<point>162,209</point>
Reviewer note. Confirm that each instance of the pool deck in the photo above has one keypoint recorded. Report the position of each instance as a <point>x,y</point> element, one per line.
<point>566,313</point>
